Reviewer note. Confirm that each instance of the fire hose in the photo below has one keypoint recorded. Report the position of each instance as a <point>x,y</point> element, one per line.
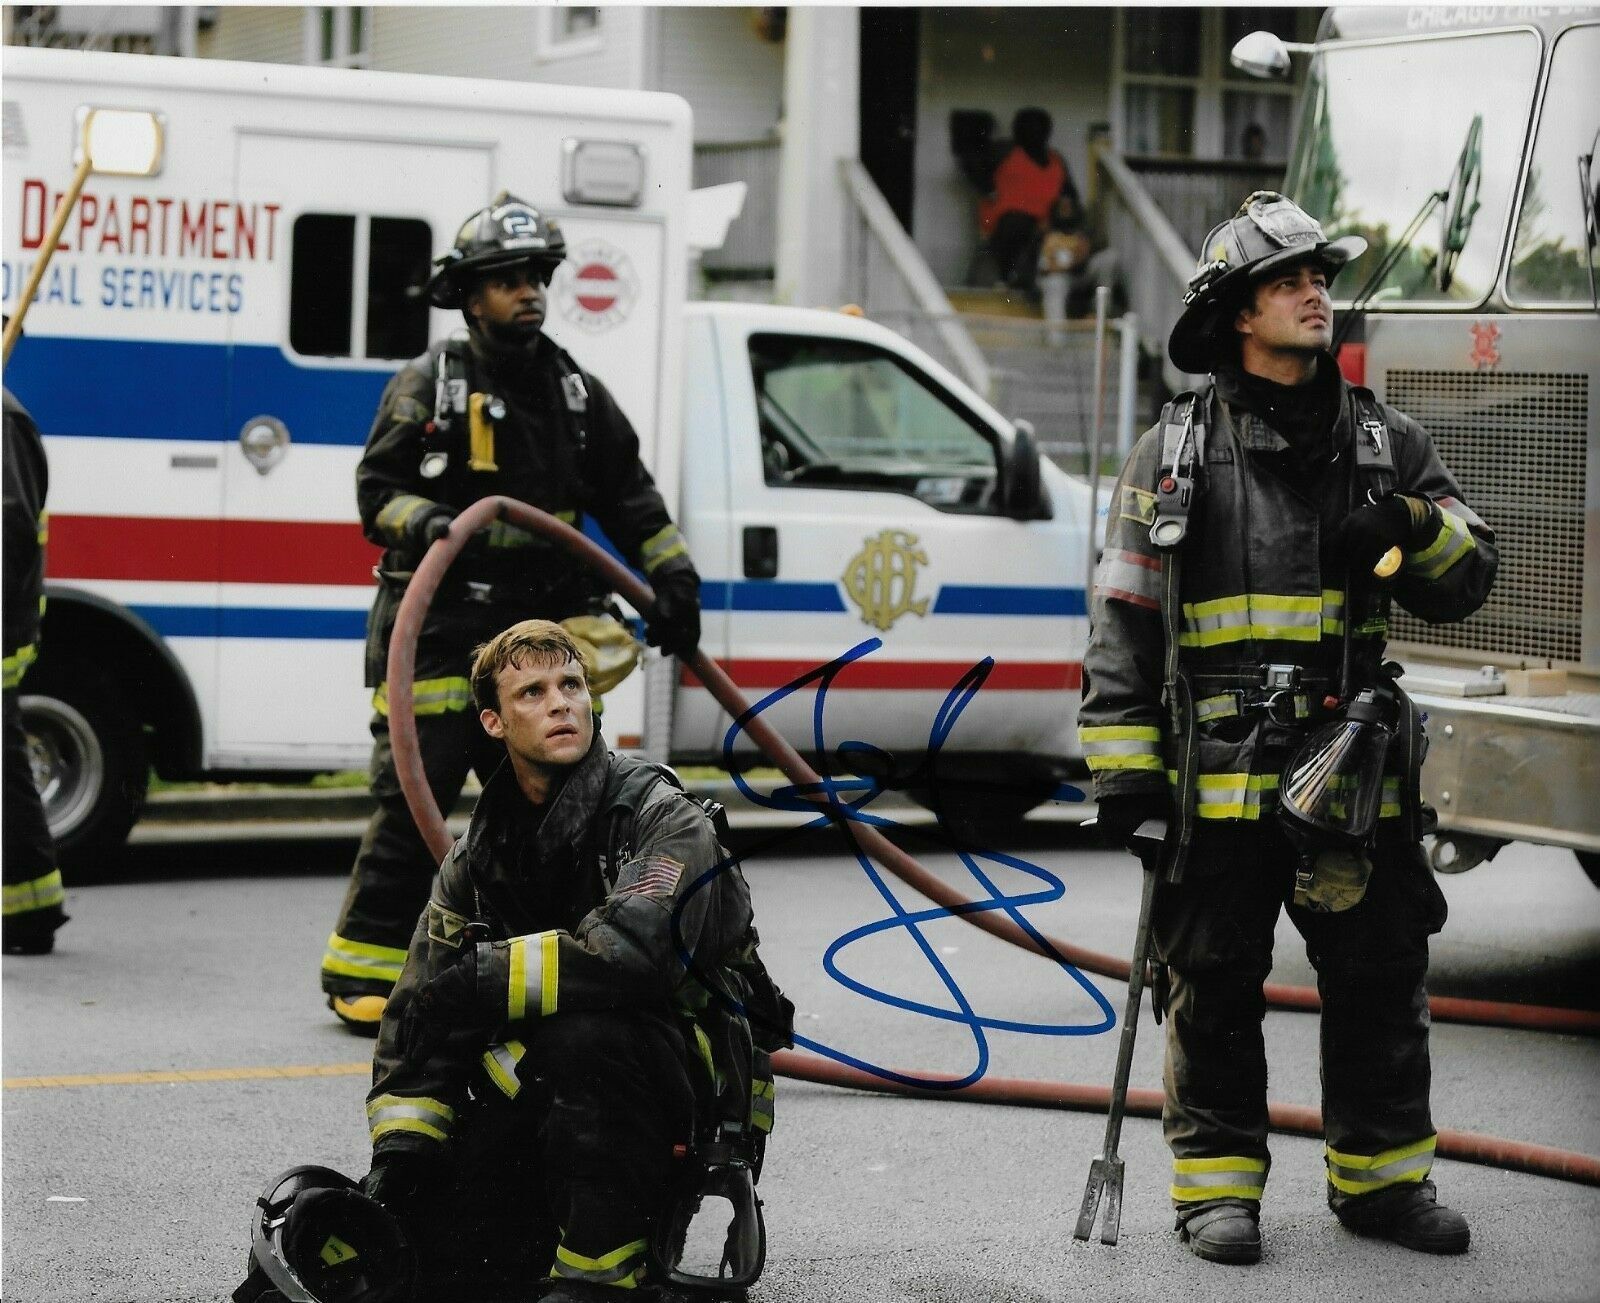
<point>1464,1146</point>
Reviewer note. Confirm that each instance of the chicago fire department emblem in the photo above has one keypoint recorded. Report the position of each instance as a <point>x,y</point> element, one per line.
<point>882,578</point>
<point>596,286</point>
<point>1485,345</point>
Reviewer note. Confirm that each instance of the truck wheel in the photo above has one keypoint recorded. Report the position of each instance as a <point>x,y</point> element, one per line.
<point>1591,864</point>
<point>89,762</point>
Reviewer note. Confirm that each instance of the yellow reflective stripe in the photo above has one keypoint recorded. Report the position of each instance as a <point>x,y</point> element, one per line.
<point>517,982</point>
<point>550,946</point>
<point>417,1115</point>
<point>1223,706</point>
<point>1332,610</point>
<point>397,512</point>
<point>702,1045</point>
<point>1235,1177</point>
<point>39,893</point>
<point>362,959</point>
<point>16,664</point>
<point>500,1062</point>
<point>664,544</point>
<point>763,1104</point>
<point>1231,796</point>
<point>429,696</point>
<point>1453,541</point>
<point>1362,1174</point>
<point>1274,616</point>
<point>531,984</point>
<point>621,1268</point>
<point>1121,746</point>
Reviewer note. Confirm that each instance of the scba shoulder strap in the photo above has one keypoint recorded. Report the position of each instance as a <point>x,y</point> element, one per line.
<point>1374,444</point>
<point>1183,439</point>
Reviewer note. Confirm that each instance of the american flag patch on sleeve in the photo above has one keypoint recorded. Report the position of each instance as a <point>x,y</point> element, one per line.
<point>650,875</point>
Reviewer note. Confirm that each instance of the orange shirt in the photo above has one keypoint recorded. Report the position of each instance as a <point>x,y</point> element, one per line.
<point>1021,185</point>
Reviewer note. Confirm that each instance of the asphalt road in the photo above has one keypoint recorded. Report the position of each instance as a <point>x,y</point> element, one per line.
<point>197,974</point>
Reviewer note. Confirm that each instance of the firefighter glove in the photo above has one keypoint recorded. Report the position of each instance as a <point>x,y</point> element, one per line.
<point>444,1003</point>
<point>673,623</point>
<point>1122,814</point>
<point>430,525</point>
<point>1399,520</point>
<point>399,1179</point>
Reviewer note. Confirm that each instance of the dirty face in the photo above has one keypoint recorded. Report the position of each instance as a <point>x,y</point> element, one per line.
<point>544,716</point>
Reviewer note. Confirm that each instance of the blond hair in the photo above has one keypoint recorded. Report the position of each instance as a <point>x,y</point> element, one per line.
<point>527,640</point>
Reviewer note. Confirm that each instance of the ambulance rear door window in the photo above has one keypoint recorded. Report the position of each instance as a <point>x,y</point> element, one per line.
<point>356,286</point>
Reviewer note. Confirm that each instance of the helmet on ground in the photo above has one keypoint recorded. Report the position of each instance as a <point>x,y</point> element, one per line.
<point>1267,232</point>
<point>504,234</point>
<point>317,1239</point>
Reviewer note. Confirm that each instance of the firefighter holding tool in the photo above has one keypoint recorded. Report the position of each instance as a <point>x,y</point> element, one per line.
<point>495,409</point>
<point>1235,687</point>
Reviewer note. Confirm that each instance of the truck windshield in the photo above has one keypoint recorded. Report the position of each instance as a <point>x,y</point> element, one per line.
<point>1549,260</point>
<point>1386,125</point>
<point>839,413</point>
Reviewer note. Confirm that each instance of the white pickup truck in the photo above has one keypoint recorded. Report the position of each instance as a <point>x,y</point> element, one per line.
<point>206,353</point>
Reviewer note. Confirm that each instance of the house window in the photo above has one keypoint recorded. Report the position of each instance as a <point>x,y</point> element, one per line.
<point>568,30</point>
<point>355,286</point>
<point>1177,95</point>
<point>338,37</point>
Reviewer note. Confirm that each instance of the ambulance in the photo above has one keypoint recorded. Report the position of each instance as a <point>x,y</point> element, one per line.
<point>207,349</point>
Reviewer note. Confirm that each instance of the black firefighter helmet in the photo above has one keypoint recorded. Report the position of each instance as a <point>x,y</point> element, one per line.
<point>1267,232</point>
<point>507,232</point>
<point>316,1238</point>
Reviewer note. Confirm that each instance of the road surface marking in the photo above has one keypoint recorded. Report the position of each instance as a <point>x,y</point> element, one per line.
<point>188,1075</point>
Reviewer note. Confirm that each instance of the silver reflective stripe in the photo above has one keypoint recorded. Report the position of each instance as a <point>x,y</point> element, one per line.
<point>1358,1174</point>
<point>1130,576</point>
<point>416,1115</point>
<point>620,1267</point>
<point>1227,1176</point>
<point>1453,542</point>
<point>1223,706</point>
<point>500,1062</point>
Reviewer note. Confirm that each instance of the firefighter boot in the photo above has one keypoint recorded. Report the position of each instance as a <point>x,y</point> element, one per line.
<point>361,1013</point>
<point>1411,1216</point>
<point>1224,1230</point>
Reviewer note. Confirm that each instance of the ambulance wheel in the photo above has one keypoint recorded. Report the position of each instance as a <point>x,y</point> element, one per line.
<point>1591,864</point>
<point>89,761</point>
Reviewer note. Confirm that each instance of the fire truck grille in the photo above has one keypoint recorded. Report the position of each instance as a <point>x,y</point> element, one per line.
<point>1515,440</point>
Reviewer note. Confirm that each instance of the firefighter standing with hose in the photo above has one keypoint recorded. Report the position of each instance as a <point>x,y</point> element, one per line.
<point>496,409</point>
<point>1237,647</point>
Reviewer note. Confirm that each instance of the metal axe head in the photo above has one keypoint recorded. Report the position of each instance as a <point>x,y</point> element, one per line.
<point>1105,1177</point>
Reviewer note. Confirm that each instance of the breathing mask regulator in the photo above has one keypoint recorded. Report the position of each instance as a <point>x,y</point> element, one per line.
<point>712,1237</point>
<point>1329,799</point>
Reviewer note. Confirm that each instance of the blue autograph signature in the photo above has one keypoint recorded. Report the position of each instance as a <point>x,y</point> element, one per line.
<point>834,810</point>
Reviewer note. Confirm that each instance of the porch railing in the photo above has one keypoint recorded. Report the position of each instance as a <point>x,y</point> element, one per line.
<point>891,281</point>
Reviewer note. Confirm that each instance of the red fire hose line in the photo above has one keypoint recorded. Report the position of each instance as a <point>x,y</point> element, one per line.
<point>425,810</point>
<point>1288,1119</point>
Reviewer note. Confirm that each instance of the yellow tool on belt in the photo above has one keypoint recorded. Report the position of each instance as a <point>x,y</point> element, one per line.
<point>480,430</point>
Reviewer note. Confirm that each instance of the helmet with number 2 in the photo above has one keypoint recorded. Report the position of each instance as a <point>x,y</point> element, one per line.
<point>506,233</point>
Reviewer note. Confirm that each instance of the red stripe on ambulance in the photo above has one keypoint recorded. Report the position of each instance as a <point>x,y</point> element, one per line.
<point>209,551</point>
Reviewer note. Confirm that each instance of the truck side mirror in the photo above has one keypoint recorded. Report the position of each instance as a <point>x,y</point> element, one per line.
<point>1023,495</point>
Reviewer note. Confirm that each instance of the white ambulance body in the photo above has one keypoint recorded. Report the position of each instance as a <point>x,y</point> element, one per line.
<point>208,348</point>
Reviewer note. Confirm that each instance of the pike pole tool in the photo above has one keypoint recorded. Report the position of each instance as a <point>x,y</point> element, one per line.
<point>1105,1172</point>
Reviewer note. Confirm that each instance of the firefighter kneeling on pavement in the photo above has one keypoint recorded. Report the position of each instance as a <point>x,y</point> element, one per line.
<point>578,1005</point>
<point>1238,613</point>
<point>496,409</point>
